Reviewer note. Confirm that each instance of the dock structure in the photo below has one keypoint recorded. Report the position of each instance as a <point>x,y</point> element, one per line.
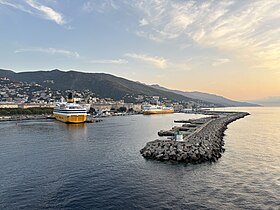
<point>94,120</point>
<point>189,127</point>
<point>202,140</point>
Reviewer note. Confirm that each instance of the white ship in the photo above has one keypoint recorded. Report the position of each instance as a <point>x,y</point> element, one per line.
<point>70,112</point>
<point>154,109</point>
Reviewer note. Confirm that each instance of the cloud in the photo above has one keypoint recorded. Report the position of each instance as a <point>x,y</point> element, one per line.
<point>143,22</point>
<point>35,8</point>
<point>100,7</point>
<point>159,62</point>
<point>220,61</point>
<point>247,30</point>
<point>117,61</point>
<point>152,37</point>
<point>16,6</point>
<point>46,12</point>
<point>51,51</point>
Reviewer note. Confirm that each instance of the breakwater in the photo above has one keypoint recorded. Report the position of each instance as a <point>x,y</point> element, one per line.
<point>205,143</point>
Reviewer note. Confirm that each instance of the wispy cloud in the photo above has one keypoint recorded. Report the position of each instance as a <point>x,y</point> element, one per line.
<point>159,62</point>
<point>220,61</point>
<point>116,61</point>
<point>52,51</point>
<point>99,6</point>
<point>15,6</point>
<point>47,12</point>
<point>143,22</point>
<point>35,8</point>
<point>248,30</point>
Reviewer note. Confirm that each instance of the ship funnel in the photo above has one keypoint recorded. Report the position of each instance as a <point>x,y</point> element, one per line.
<point>70,98</point>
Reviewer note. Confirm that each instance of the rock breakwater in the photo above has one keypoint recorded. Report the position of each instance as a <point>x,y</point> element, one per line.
<point>204,144</point>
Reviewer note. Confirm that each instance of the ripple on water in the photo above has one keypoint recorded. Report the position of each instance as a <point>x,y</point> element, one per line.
<point>51,165</point>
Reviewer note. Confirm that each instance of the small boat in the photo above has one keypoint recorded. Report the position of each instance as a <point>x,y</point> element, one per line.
<point>70,112</point>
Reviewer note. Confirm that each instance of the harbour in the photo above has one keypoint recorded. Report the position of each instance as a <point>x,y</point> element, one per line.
<point>139,105</point>
<point>51,165</point>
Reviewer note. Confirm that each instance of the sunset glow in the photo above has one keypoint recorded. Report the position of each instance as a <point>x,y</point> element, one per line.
<point>229,48</point>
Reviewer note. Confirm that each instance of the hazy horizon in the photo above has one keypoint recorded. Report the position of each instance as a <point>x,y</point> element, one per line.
<point>227,48</point>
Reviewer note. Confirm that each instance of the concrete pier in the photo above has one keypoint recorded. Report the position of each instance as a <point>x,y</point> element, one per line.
<point>205,143</point>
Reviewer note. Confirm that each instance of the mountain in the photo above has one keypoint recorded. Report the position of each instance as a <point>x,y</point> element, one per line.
<point>207,97</point>
<point>269,101</point>
<point>103,85</point>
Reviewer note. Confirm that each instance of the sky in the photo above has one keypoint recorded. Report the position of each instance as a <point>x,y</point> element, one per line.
<point>229,48</point>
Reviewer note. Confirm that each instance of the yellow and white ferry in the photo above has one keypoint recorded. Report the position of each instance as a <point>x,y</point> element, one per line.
<point>70,112</point>
<point>150,109</point>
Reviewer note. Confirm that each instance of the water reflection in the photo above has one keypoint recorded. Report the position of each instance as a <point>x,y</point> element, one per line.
<point>77,131</point>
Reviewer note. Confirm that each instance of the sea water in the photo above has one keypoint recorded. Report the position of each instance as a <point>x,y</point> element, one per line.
<point>52,165</point>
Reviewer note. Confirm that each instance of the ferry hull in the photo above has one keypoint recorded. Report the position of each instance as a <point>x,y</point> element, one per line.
<point>149,112</point>
<point>71,118</point>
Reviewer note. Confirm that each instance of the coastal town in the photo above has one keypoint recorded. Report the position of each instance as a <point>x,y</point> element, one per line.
<point>25,95</point>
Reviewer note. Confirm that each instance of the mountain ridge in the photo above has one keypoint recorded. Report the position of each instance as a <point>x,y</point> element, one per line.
<point>268,101</point>
<point>111,86</point>
<point>207,97</point>
<point>104,85</point>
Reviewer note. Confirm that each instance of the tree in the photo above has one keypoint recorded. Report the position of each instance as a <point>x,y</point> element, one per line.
<point>92,110</point>
<point>130,110</point>
<point>122,109</point>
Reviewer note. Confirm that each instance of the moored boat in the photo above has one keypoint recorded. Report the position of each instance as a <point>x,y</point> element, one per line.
<point>150,109</point>
<point>70,112</point>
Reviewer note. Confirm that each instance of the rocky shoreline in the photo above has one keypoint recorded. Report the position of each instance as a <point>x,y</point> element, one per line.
<point>203,144</point>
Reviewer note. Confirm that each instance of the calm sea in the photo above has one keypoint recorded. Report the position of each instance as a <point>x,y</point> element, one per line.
<point>51,165</point>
